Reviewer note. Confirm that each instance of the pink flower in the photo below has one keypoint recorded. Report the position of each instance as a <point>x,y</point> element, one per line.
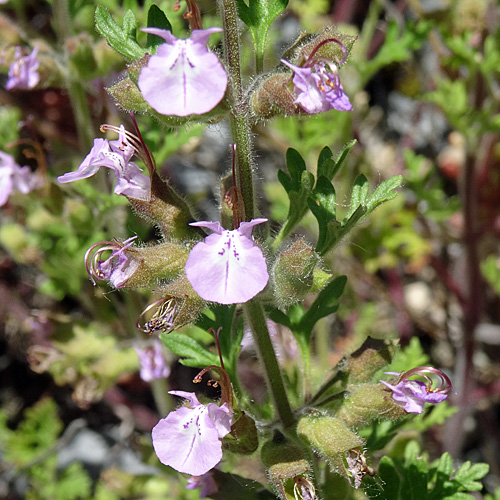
<point>15,178</point>
<point>117,268</point>
<point>227,267</point>
<point>318,89</point>
<point>413,394</point>
<point>23,72</point>
<point>188,439</point>
<point>153,365</point>
<point>184,77</point>
<point>116,155</point>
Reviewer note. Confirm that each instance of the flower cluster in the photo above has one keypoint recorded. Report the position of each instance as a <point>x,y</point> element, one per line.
<point>15,178</point>
<point>116,155</point>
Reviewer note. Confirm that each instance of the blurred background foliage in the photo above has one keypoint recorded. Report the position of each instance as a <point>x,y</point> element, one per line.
<point>424,268</point>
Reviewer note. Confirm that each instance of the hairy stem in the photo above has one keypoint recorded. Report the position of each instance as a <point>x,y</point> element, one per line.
<point>240,127</point>
<point>267,356</point>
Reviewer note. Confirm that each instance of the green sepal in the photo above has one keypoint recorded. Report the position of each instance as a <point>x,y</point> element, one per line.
<point>368,402</point>
<point>167,210</point>
<point>163,261</point>
<point>245,437</point>
<point>293,272</point>
<point>328,436</point>
<point>306,44</point>
<point>120,38</point>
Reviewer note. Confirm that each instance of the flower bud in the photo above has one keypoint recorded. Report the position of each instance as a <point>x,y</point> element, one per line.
<point>329,437</point>
<point>271,97</point>
<point>158,262</point>
<point>294,272</point>
<point>166,209</point>
<point>373,355</point>
<point>284,461</point>
<point>368,402</point>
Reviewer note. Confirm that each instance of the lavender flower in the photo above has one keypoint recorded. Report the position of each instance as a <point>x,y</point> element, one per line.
<point>184,77</point>
<point>206,483</point>
<point>117,268</point>
<point>188,439</point>
<point>15,178</point>
<point>318,89</point>
<point>413,394</point>
<point>23,72</point>
<point>227,267</point>
<point>153,365</point>
<point>116,155</point>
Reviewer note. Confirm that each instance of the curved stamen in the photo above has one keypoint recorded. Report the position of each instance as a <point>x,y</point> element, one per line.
<point>162,319</point>
<point>445,382</point>
<point>139,147</point>
<point>345,52</point>
<point>93,260</point>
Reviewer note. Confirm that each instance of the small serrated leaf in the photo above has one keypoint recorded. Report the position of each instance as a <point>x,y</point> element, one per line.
<point>192,353</point>
<point>330,168</point>
<point>384,192</point>
<point>359,194</point>
<point>121,39</point>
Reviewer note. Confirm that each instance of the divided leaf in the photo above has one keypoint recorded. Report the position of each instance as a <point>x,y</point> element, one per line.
<point>121,38</point>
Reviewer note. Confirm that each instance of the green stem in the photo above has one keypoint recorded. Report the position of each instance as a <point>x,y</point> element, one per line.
<point>163,401</point>
<point>77,95</point>
<point>240,127</point>
<point>272,372</point>
<point>305,352</point>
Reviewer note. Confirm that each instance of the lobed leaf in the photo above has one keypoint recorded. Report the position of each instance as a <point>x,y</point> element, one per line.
<point>120,38</point>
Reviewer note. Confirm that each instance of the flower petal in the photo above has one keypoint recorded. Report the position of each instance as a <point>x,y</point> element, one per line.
<point>227,268</point>
<point>188,441</point>
<point>90,165</point>
<point>184,77</point>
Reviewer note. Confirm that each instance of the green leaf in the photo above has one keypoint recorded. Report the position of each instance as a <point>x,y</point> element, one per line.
<point>156,19</point>
<point>324,305</point>
<point>331,231</point>
<point>466,477</point>
<point>298,185</point>
<point>35,434</point>
<point>192,353</point>
<point>258,15</point>
<point>121,38</point>
<point>329,167</point>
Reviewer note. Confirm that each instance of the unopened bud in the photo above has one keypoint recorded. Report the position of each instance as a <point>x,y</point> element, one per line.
<point>368,402</point>
<point>329,437</point>
<point>293,272</point>
<point>284,461</point>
